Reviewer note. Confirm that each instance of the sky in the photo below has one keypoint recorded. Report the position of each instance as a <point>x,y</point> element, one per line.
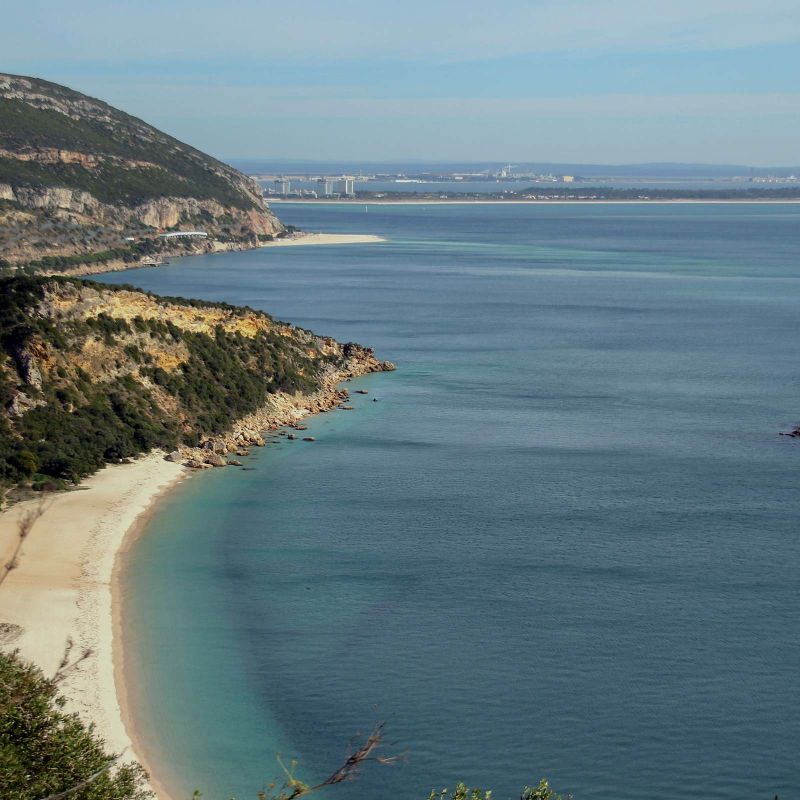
<point>570,81</point>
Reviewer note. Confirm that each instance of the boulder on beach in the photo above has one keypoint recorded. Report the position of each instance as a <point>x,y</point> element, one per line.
<point>309,439</point>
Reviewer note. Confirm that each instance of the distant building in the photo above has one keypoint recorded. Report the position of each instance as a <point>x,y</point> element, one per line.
<point>282,186</point>
<point>567,178</point>
<point>347,187</point>
<point>344,186</point>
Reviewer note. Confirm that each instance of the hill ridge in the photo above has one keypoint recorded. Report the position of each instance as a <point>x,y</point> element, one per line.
<point>78,176</point>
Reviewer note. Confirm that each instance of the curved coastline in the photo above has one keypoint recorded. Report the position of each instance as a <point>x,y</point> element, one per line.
<point>122,672</point>
<point>72,592</point>
<point>66,591</point>
<point>63,593</point>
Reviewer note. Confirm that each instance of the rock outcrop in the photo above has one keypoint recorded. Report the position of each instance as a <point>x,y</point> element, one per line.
<point>286,409</point>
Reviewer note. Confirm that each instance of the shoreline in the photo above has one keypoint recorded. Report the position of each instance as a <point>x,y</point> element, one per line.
<point>74,591</point>
<point>67,592</point>
<point>300,238</point>
<point>122,677</point>
<point>309,239</point>
<point>439,202</point>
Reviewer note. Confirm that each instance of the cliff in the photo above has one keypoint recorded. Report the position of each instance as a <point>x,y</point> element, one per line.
<point>78,177</point>
<point>92,374</point>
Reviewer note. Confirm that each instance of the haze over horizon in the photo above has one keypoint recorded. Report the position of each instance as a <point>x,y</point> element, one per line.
<point>610,82</point>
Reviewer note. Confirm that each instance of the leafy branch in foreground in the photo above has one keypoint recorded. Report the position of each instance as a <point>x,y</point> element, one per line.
<point>46,752</point>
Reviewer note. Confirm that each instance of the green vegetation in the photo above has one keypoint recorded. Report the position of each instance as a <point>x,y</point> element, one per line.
<point>118,185</point>
<point>463,792</point>
<point>45,751</point>
<point>58,441</point>
<point>65,262</point>
<point>129,254</point>
<point>177,170</point>
<point>80,422</point>
<point>228,376</point>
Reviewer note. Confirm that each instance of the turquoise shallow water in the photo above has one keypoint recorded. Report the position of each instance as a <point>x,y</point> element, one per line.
<point>564,542</point>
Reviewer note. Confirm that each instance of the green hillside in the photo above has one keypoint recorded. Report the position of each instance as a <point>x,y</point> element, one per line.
<point>92,374</point>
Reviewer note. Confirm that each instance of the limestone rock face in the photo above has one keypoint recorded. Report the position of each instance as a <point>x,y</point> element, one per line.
<point>21,403</point>
<point>27,366</point>
<point>56,197</point>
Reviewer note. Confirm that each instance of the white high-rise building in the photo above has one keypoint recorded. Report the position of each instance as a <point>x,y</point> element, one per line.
<point>344,186</point>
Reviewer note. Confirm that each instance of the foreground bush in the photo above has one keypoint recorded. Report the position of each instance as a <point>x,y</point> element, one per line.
<point>46,752</point>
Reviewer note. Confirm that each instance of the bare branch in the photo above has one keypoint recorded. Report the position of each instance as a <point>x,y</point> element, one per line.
<point>25,525</point>
<point>65,666</point>
<point>349,769</point>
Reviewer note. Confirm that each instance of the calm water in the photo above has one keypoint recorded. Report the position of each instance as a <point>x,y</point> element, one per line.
<point>564,543</point>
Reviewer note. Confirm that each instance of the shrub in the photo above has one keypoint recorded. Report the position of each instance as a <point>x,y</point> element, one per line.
<point>46,751</point>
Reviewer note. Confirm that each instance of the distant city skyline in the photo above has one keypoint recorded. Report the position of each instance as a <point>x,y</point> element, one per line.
<point>614,82</point>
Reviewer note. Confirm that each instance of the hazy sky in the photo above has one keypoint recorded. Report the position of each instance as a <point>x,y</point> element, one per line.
<point>599,81</point>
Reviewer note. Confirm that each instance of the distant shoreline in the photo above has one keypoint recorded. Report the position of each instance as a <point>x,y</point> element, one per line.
<point>498,202</point>
<point>305,239</point>
<point>300,238</point>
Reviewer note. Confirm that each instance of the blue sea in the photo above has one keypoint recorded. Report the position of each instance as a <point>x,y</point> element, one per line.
<point>564,542</point>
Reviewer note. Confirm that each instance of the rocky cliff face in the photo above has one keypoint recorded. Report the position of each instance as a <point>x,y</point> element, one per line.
<point>79,176</point>
<point>91,374</point>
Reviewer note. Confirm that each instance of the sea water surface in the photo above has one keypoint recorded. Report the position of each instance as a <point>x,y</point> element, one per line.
<point>564,542</point>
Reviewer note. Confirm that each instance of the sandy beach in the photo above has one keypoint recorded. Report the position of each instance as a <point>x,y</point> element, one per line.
<point>62,588</point>
<point>66,585</point>
<point>303,238</point>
